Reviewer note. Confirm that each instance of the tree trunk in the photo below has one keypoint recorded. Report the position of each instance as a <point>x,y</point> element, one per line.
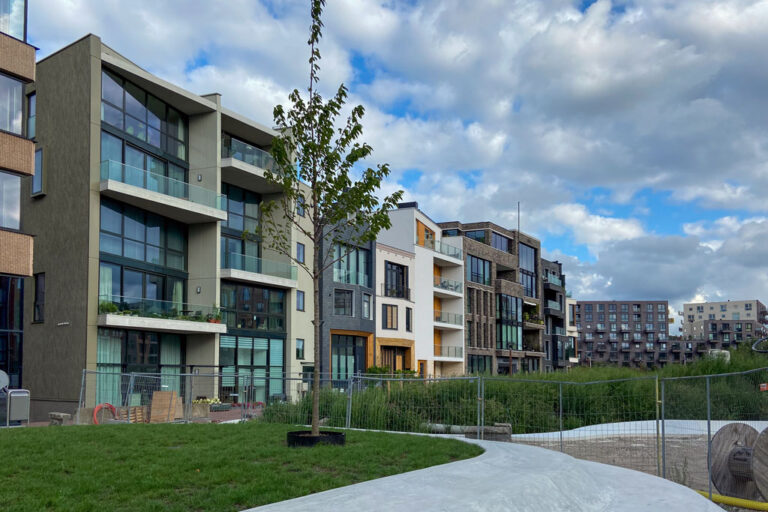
<point>317,326</point>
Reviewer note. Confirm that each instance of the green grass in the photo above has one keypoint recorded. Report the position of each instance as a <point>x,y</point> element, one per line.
<point>194,467</point>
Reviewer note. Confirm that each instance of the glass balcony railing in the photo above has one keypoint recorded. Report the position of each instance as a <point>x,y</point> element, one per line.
<point>344,276</point>
<point>111,170</point>
<point>443,351</point>
<point>448,284</point>
<point>233,148</point>
<point>256,265</point>
<point>551,304</point>
<point>150,308</point>
<point>559,331</point>
<point>449,318</point>
<point>553,279</point>
<point>438,246</point>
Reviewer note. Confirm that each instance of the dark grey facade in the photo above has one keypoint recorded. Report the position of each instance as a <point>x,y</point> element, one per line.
<point>503,322</point>
<point>557,346</point>
<point>627,333</point>
<point>347,340</point>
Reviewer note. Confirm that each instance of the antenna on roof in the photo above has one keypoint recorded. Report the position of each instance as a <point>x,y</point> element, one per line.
<point>518,219</point>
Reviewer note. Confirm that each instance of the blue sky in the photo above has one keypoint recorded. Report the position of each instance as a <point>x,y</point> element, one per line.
<point>632,133</point>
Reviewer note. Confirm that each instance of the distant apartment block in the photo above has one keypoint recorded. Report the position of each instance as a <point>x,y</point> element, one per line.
<point>505,317</point>
<point>722,325</point>
<point>627,333</point>
<point>430,285</point>
<point>18,163</point>
<point>558,346</point>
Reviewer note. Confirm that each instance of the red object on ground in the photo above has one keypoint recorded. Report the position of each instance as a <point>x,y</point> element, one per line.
<point>100,407</point>
<point>764,386</point>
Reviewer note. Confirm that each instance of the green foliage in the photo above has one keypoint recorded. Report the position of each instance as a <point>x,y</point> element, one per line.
<point>196,466</point>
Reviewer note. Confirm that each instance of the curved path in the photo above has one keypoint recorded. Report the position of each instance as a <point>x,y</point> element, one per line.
<point>508,477</point>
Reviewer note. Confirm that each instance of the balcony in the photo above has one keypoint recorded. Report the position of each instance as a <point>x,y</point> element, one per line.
<point>613,357</point>
<point>638,357</point>
<point>447,288</point>
<point>249,269</point>
<point>244,164</point>
<point>701,347</point>
<point>552,282</point>
<point>557,331</point>
<point>650,348</point>
<point>601,347</point>
<point>444,253</point>
<point>395,292</point>
<point>158,315</point>
<point>662,356</point>
<point>159,194</point>
<point>625,348</point>
<point>675,347</point>
<point>448,321</point>
<point>552,308</point>
<point>532,322</point>
<point>448,352</point>
<point>348,277</point>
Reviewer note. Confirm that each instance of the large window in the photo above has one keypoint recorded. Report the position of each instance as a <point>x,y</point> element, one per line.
<point>395,280</point>
<point>479,364</point>
<point>299,348</point>
<point>409,319</point>
<point>132,288</point>
<point>39,310</point>
<point>478,235</point>
<point>31,115</point>
<point>527,262</point>
<point>478,270</point>
<point>509,312</point>
<point>141,115</point>
<point>132,233</point>
<point>37,179</point>
<point>500,242</point>
<point>300,252</point>
<point>388,316</point>
<point>367,306</point>
<point>347,356</point>
<point>242,208</point>
<point>342,302</point>
<point>259,364</point>
<point>11,327</point>
<point>253,308</point>
<point>11,97</point>
<point>10,201</point>
<point>13,18</point>
<point>353,265</point>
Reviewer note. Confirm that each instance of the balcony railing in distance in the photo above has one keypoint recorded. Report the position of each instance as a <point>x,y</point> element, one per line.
<point>233,148</point>
<point>117,171</point>
<point>162,309</point>
<point>438,246</point>
<point>449,318</point>
<point>348,277</point>
<point>256,265</point>
<point>448,284</point>
<point>448,351</point>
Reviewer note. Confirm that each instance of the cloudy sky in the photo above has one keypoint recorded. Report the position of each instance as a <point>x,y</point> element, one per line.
<point>634,133</point>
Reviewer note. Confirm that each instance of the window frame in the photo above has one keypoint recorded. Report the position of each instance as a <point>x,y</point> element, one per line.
<point>38,315</point>
<point>300,342</point>
<point>389,320</point>
<point>300,300</point>
<point>38,178</point>
<point>351,302</point>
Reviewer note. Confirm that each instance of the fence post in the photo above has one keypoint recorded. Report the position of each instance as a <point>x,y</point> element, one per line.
<point>663,431</point>
<point>482,404</point>
<point>348,421</point>
<point>560,386</point>
<point>81,402</point>
<point>188,398</point>
<point>658,436</point>
<point>129,393</point>
<point>479,411</point>
<point>709,440</point>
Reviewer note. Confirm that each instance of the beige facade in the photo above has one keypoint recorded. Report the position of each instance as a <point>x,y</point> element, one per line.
<point>721,324</point>
<point>68,218</point>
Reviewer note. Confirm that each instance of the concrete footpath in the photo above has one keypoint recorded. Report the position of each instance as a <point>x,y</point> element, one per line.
<point>508,477</point>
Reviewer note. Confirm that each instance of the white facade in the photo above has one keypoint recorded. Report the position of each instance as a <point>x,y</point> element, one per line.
<point>395,340</point>
<point>437,286</point>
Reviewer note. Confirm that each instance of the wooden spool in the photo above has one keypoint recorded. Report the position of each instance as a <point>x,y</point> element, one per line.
<point>760,463</point>
<point>733,472</point>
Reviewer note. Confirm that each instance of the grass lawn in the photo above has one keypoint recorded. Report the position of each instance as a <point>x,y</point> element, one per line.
<point>194,467</point>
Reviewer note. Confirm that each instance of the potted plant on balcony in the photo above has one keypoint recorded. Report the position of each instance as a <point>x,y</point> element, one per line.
<point>316,166</point>
<point>214,317</point>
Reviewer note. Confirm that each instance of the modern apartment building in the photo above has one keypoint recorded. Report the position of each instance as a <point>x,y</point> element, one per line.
<point>395,325</point>
<point>721,325</point>
<point>18,161</point>
<point>558,347</point>
<point>503,296</point>
<point>630,333</point>
<point>147,256</point>
<point>570,327</point>
<point>435,287</point>
<point>348,313</point>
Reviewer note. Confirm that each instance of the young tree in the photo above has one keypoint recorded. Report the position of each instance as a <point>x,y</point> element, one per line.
<point>315,168</point>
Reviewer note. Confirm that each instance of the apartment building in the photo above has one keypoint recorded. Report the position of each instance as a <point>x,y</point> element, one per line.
<point>435,287</point>
<point>348,312</point>
<point>395,326</point>
<point>570,327</point>
<point>18,161</point>
<point>558,347</point>
<point>630,333</point>
<point>147,255</point>
<point>503,297</point>
<point>721,325</point>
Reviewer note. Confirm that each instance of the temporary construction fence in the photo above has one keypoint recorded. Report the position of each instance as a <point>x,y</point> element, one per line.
<point>663,426</point>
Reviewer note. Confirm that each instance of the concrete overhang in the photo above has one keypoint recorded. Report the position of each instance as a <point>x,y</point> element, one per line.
<point>160,324</point>
<point>446,294</point>
<point>246,129</point>
<point>443,260</point>
<point>255,278</point>
<point>246,176</point>
<point>175,208</point>
<point>447,327</point>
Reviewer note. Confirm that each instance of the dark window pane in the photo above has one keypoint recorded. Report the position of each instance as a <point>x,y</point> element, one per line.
<point>135,127</point>
<point>112,116</point>
<point>111,149</point>
<point>111,89</point>
<point>155,113</point>
<point>10,201</point>
<point>110,244</point>
<point>135,100</point>
<point>111,218</point>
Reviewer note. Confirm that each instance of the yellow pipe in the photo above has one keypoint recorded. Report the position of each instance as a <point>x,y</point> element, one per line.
<point>735,502</point>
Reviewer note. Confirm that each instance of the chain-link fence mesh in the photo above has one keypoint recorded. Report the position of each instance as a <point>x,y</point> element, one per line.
<point>659,426</point>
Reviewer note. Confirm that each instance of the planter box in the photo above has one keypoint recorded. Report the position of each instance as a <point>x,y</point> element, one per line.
<point>220,407</point>
<point>199,410</point>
